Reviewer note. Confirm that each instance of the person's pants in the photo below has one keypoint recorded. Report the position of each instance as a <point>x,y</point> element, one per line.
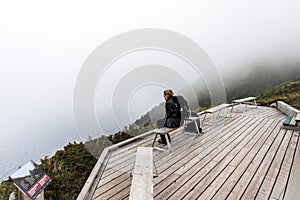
<point>163,138</point>
<point>161,123</point>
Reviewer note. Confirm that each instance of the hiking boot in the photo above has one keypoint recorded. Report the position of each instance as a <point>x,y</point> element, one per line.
<point>162,142</point>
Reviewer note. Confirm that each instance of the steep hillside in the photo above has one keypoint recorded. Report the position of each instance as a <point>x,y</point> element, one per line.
<point>258,80</point>
<point>288,92</point>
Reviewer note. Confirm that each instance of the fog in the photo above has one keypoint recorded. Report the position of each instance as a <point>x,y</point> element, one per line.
<point>44,45</point>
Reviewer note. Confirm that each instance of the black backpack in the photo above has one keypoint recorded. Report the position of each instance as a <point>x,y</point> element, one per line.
<point>176,111</point>
<point>185,114</point>
<point>185,110</point>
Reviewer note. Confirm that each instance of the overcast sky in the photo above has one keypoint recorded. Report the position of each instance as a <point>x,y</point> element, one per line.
<point>43,44</point>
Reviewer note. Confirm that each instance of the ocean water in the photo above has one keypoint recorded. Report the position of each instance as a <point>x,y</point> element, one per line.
<point>20,144</point>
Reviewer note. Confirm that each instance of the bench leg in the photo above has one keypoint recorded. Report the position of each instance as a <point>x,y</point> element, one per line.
<point>154,139</point>
<point>197,127</point>
<point>232,108</point>
<point>203,118</point>
<point>228,115</point>
<point>155,173</point>
<point>184,125</point>
<point>255,103</point>
<point>240,110</point>
<point>162,149</point>
<point>168,143</point>
<point>219,113</point>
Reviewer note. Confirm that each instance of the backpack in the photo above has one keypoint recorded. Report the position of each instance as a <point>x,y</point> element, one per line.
<point>185,110</point>
<point>176,111</point>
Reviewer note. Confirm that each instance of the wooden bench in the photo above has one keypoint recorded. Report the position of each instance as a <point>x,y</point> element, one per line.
<point>215,109</point>
<point>292,122</point>
<point>297,119</point>
<point>192,120</point>
<point>142,175</point>
<point>163,131</point>
<point>246,101</point>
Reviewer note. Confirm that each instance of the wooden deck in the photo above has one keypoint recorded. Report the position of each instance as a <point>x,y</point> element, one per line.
<point>246,156</point>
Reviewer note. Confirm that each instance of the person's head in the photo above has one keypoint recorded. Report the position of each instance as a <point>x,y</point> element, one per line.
<point>168,93</point>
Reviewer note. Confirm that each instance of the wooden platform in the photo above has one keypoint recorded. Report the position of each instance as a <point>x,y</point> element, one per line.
<point>247,156</point>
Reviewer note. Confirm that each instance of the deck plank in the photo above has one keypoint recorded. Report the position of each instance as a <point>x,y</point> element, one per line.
<point>127,158</point>
<point>112,183</point>
<point>242,183</point>
<point>188,150</point>
<point>260,174</point>
<point>113,191</point>
<point>240,171</point>
<point>285,168</point>
<point>239,163</point>
<point>269,181</point>
<point>223,161</point>
<point>203,166</point>
<point>292,192</point>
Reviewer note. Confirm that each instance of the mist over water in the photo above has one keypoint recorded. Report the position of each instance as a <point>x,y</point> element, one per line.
<point>37,140</point>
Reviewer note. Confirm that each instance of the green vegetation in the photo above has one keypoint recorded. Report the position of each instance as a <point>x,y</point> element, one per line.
<point>68,169</point>
<point>6,188</point>
<point>288,92</point>
<point>119,137</point>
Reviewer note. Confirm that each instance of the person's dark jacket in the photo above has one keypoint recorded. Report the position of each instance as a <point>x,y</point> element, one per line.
<point>173,114</point>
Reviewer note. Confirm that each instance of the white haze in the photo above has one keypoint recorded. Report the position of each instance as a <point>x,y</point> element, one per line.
<point>43,45</point>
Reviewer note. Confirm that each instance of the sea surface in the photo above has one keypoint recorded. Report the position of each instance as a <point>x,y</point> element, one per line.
<point>33,142</point>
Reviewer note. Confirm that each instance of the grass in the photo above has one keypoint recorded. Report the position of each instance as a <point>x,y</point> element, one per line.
<point>288,92</point>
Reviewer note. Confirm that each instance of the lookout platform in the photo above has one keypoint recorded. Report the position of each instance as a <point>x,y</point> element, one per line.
<point>246,156</point>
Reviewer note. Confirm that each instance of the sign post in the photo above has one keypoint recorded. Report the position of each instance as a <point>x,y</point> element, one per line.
<point>22,196</point>
<point>30,181</point>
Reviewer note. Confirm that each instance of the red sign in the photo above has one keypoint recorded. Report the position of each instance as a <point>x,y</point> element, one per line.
<point>30,179</point>
<point>38,186</point>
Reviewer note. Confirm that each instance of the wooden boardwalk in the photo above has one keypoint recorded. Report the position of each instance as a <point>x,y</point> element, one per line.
<point>246,156</point>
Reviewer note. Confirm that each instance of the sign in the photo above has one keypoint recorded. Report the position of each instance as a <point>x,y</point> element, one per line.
<point>30,179</point>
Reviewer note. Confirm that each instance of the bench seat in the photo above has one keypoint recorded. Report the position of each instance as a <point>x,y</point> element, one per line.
<point>247,99</point>
<point>215,109</point>
<point>142,180</point>
<point>163,131</point>
<point>297,118</point>
<point>293,122</point>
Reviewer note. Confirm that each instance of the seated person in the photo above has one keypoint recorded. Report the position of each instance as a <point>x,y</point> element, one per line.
<point>173,114</point>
